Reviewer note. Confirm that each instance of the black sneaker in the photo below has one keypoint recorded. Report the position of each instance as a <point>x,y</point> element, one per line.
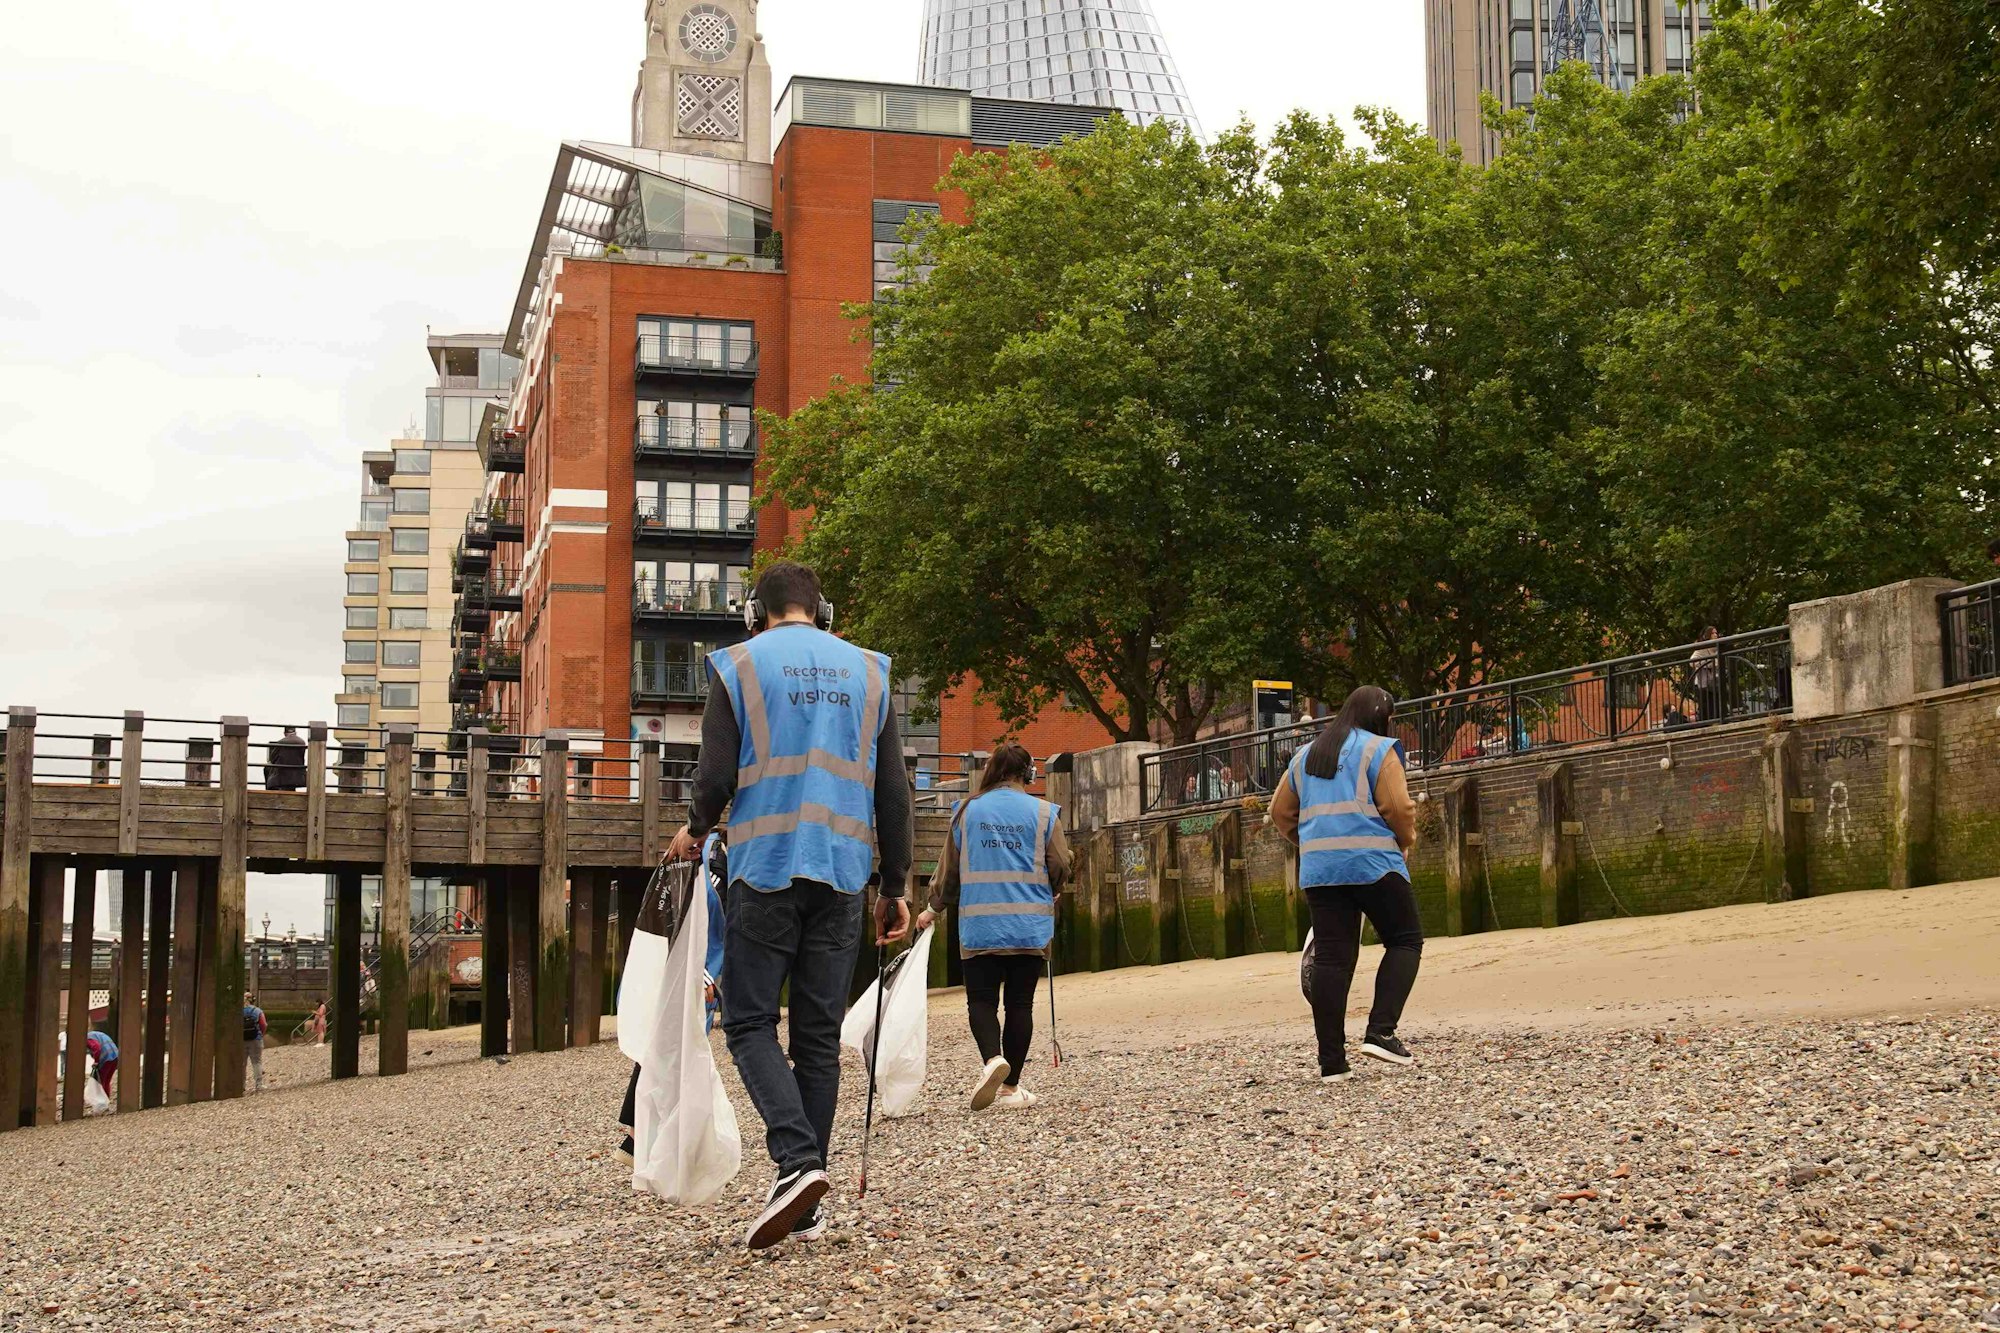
<point>1336,1073</point>
<point>1383,1046</point>
<point>811,1224</point>
<point>624,1153</point>
<point>793,1195</point>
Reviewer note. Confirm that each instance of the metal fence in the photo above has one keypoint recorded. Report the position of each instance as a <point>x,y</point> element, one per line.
<point>1673,689</point>
<point>1970,621</point>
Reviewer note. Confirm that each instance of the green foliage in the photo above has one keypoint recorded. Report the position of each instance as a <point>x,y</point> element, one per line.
<point>1163,415</point>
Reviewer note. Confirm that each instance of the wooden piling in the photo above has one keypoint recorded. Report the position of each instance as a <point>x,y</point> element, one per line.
<point>186,967</point>
<point>316,792</point>
<point>129,985</point>
<point>493,973</point>
<point>1555,797</point>
<point>345,979</point>
<point>523,896</point>
<point>1786,816</point>
<point>232,881</point>
<point>478,763</point>
<point>552,980</point>
<point>589,892</point>
<point>16,892</point>
<point>392,968</point>
<point>82,939</point>
<point>159,960</point>
<point>49,873</point>
<point>606,998</point>
<point>131,778</point>
<point>201,1083</point>
<point>1464,864</point>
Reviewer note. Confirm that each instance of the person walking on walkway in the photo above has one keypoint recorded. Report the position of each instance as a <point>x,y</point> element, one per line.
<point>800,744</point>
<point>1346,801</point>
<point>255,1025</point>
<point>1004,862</point>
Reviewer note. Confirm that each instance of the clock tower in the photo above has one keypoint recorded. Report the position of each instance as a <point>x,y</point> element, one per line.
<point>705,86</point>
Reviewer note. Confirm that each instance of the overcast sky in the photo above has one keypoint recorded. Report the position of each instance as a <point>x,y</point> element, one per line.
<point>232,224</point>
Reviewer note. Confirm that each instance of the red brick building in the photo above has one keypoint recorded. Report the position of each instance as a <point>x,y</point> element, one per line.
<point>667,297</point>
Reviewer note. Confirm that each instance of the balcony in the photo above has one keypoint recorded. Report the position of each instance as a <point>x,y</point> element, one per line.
<point>504,451</point>
<point>481,595</point>
<point>682,520</point>
<point>480,660</point>
<point>469,561</point>
<point>706,600</point>
<point>665,354</point>
<point>489,720</point>
<point>658,439</point>
<point>669,682</point>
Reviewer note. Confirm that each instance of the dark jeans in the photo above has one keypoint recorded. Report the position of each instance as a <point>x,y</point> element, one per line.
<point>985,976</point>
<point>806,935</point>
<point>1337,909</point>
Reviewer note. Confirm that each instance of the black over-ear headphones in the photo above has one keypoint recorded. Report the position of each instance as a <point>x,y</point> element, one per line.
<point>754,615</point>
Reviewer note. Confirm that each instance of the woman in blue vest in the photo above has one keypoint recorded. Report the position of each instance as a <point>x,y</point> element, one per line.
<point>1346,802</point>
<point>1003,864</point>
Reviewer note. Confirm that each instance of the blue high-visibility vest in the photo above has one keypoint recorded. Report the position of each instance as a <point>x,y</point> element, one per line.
<point>810,708</point>
<point>1343,838</point>
<point>1005,900</point>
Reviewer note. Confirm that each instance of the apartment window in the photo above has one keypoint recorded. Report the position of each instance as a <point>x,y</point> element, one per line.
<point>413,500</point>
<point>399,696</point>
<point>409,617</point>
<point>409,654</point>
<point>363,585</point>
<point>363,551</point>
<point>374,516</point>
<point>410,541</point>
<point>362,617</point>
<point>357,685</point>
<point>361,653</point>
<point>409,582</point>
<point>351,715</point>
<point>413,462</point>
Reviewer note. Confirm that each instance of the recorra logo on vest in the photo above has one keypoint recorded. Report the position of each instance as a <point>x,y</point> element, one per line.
<point>994,836</point>
<point>821,675</point>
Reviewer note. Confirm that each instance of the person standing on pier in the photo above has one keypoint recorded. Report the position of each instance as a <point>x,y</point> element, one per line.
<point>1004,861</point>
<point>800,744</point>
<point>1346,802</point>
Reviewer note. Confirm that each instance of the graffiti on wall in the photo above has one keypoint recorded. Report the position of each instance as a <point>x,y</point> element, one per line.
<point>1839,749</point>
<point>1839,817</point>
<point>1132,864</point>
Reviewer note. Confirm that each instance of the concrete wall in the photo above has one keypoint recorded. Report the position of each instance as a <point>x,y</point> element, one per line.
<point>1872,649</point>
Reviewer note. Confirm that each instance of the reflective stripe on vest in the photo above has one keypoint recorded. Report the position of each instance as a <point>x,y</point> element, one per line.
<point>810,709</point>
<point>1343,838</point>
<point>1005,900</point>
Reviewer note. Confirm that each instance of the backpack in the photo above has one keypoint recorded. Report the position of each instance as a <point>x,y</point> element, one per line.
<point>253,1025</point>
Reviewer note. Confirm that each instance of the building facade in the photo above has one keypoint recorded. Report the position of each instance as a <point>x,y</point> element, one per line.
<point>669,297</point>
<point>1084,52</point>
<point>1508,47</point>
<point>416,496</point>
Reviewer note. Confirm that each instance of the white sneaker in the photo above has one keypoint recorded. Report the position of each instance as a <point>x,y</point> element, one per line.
<point>1015,1099</point>
<point>990,1079</point>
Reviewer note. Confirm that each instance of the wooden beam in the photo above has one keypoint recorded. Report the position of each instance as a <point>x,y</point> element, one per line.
<point>1555,798</point>
<point>1464,863</point>
<point>552,966</point>
<point>131,982</point>
<point>182,985</point>
<point>131,777</point>
<point>16,892</point>
<point>392,969</point>
<point>1785,821</point>
<point>345,983</point>
<point>479,757</point>
<point>586,984</point>
<point>82,939</point>
<point>316,792</point>
<point>49,873</point>
<point>523,892</point>
<point>232,882</point>
<point>201,1084</point>
<point>493,975</point>
<point>605,996</point>
<point>159,960</point>
<point>649,800</point>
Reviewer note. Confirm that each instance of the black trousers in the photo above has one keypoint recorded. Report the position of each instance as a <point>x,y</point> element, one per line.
<point>1337,909</point>
<point>986,976</point>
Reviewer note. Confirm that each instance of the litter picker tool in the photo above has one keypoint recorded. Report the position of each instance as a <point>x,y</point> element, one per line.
<point>1055,1046</point>
<point>874,1057</point>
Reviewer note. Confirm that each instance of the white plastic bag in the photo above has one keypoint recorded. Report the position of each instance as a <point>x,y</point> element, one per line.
<point>899,1083</point>
<point>95,1100</point>
<point>685,1144</point>
<point>1306,963</point>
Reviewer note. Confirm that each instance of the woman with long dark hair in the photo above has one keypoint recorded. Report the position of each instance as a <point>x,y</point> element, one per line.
<point>1346,801</point>
<point>1004,863</point>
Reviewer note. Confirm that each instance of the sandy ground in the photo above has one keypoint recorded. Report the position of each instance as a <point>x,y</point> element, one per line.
<point>1696,1122</point>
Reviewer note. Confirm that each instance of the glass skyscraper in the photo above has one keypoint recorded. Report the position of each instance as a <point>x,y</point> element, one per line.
<point>1087,52</point>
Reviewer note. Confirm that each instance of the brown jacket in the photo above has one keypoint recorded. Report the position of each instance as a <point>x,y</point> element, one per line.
<point>1392,798</point>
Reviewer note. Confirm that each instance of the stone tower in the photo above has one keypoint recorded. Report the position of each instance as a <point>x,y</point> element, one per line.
<point>705,86</point>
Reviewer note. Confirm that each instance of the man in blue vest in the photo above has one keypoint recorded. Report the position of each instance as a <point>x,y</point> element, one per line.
<point>800,745</point>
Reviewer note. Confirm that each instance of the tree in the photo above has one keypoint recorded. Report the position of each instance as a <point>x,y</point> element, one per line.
<point>1050,492</point>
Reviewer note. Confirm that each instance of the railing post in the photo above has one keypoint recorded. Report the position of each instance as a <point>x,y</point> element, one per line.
<point>1610,702</point>
<point>316,791</point>
<point>200,763</point>
<point>392,984</point>
<point>15,887</point>
<point>231,907</point>
<point>478,762</point>
<point>552,968</point>
<point>100,761</point>
<point>1513,718</point>
<point>131,775</point>
<point>649,800</point>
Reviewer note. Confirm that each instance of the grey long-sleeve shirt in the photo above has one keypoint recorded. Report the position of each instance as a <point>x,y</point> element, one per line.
<point>715,787</point>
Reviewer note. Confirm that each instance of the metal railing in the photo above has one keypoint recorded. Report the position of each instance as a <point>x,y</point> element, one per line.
<point>727,356</point>
<point>1671,690</point>
<point>695,518</point>
<point>684,681</point>
<point>721,597</point>
<point>503,451</point>
<point>670,434</point>
<point>491,588</point>
<point>493,656</point>
<point>1969,619</point>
